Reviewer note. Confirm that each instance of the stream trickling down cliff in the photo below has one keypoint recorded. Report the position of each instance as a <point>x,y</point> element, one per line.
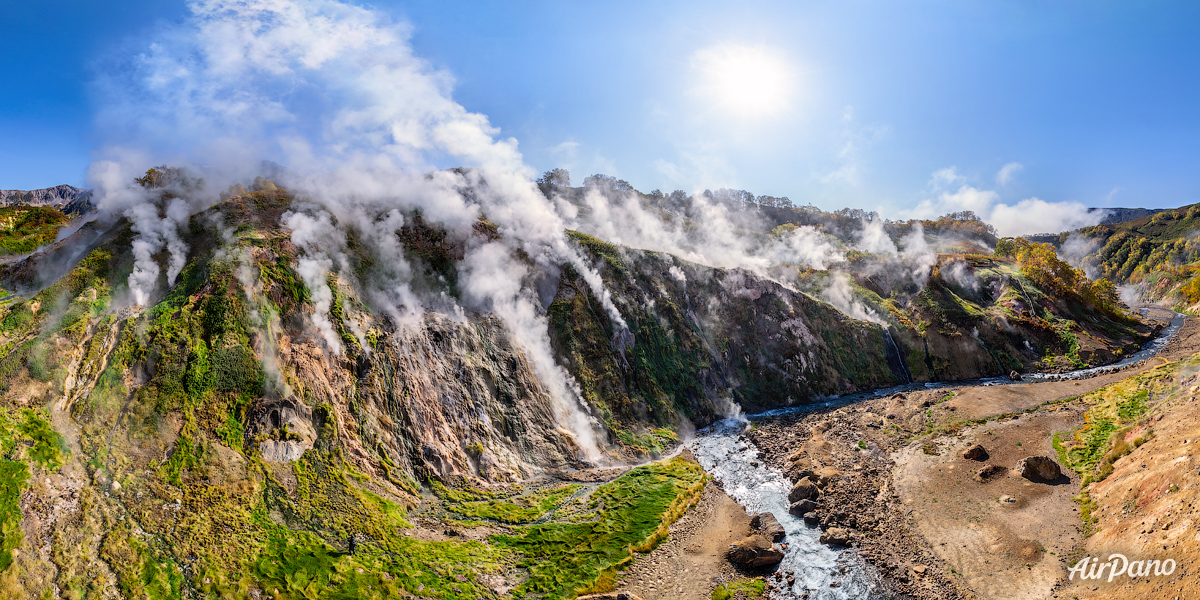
<point>822,572</point>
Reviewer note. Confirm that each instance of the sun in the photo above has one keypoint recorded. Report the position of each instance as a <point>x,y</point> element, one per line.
<point>748,81</point>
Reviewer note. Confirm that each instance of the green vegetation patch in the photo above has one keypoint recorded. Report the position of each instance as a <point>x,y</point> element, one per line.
<point>25,228</point>
<point>633,513</point>
<point>519,509</point>
<point>299,565</point>
<point>1110,428</point>
<point>13,477</point>
<point>25,435</point>
<point>750,588</point>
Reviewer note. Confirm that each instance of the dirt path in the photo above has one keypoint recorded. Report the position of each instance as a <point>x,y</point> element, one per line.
<point>691,563</point>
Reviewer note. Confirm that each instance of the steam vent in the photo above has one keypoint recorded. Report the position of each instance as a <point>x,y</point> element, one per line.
<point>304,322</point>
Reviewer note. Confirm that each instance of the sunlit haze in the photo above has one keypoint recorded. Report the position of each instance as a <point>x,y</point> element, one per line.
<point>910,110</point>
<point>748,81</point>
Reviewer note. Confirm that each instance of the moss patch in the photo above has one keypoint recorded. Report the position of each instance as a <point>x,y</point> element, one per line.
<point>632,514</point>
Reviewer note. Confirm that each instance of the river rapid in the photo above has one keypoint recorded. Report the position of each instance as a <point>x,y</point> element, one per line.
<point>823,572</point>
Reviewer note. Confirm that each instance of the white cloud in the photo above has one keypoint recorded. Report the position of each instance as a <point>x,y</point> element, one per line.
<point>1007,172</point>
<point>1031,215</point>
<point>1034,215</point>
<point>944,178</point>
<point>566,148</point>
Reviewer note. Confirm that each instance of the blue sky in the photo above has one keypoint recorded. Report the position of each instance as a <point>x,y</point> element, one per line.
<point>1093,102</point>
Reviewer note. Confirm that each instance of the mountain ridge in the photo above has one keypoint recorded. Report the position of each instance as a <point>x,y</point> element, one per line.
<point>68,199</point>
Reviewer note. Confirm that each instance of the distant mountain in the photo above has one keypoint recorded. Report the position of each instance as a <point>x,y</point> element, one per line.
<point>1122,215</point>
<point>69,199</point>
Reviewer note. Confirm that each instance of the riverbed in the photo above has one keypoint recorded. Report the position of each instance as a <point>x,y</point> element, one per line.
<point>821,571</point>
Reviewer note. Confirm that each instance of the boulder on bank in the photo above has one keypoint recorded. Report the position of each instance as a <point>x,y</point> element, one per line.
<point>755,551</point>
<point>803,506</point>
<point>837,536</point>
<point>976,452</point>
<point>612,596</point>
<point>804,489</point>
<point>768,525</point>
<point>799,470</point>
<point>826,476</point>
<point>1038,468</point>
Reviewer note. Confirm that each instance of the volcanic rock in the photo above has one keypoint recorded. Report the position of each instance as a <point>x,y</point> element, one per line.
<point>1038,468</point>
<point>837,536</point>
<point>976,452</point>
<point>804,489</point>
<point>802,507</point>
<point>755,551</point>
<point>988,472</point>
<point>768,525</point>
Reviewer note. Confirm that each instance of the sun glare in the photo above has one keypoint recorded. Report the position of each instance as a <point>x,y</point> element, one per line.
<point>749,81</point>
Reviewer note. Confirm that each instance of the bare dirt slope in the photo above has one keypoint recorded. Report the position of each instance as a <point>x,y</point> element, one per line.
<point>1004,535</point>
<point>1149,509</point>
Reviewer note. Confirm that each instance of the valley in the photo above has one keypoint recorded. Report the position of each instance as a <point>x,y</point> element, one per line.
<point>296,414</point>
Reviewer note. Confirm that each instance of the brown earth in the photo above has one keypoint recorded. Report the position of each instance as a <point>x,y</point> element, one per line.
<point>919,514</point>
<point>691,563</point>
<point>1149,509</point>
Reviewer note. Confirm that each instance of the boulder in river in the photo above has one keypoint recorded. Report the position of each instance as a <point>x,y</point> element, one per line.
<point>755,551</point>
<point>976,452</point>
<point>802,507</point>
<point>1038,468</point>
<point>811,518</point>
<point>804,489</point>
<point>837,536</point>
<point>766,524</point>
<point>1013,375</point>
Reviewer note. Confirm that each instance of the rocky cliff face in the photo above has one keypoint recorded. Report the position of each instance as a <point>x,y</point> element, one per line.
<point>69,199</point>
<point>253,409</point>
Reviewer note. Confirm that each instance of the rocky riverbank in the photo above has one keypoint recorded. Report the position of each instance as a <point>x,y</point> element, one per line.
<point>856,505</point>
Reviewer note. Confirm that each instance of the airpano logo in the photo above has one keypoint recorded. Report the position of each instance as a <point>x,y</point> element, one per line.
<point>1118,565</point>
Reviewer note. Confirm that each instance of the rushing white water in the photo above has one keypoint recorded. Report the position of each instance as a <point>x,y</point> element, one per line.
<point>821,572</point>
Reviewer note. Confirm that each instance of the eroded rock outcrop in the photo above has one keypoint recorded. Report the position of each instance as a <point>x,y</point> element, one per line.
<point>1038,468</point>
<point>755,551</point>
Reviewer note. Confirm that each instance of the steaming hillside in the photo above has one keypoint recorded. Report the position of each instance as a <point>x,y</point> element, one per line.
<point>1156,255</point>
<point>265,395</point>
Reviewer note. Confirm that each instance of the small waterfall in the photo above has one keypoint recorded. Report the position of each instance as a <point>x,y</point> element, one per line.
<point>887,333</point>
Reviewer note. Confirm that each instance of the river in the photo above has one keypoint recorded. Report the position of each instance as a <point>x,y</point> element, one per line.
<point>823,572</point>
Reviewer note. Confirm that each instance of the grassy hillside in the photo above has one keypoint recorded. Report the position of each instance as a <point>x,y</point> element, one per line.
<point>25,228</point>
<point>1157,253</point>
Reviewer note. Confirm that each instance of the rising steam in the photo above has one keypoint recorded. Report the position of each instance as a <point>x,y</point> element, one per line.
<point>334,92</point>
